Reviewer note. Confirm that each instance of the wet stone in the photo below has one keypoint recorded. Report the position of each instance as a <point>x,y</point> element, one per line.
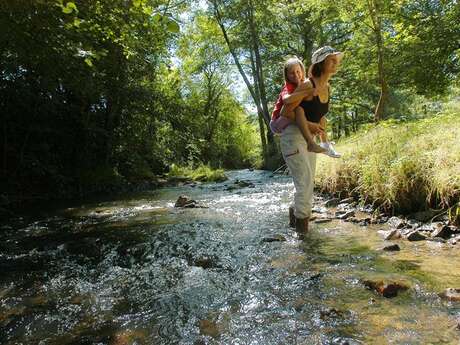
<point>442,231</point>
<point>387,290</point>
<point>426,227</point>
<point>437,239</point>
<point>183,200</point>
<point>128,337</point>
<point>391,248</point>
<point>322,220</point>
<point>415,236</point>
<point>451,294</point>
<point>347,200</point>
<point>332,202</point>
<point>455,240</point>
<point>396,223</point>
<point>330,313</point>
<point>205,262</point>
<point>348,214</point>
<point>318,209</point>
<point>275,238</point>
<point>365,221</point>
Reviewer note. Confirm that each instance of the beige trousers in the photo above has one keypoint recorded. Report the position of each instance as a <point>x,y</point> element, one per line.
<point>302,166</point>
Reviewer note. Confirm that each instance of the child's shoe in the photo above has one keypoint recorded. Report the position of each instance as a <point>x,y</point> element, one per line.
<point>330,151</point>
<point>314,147</point>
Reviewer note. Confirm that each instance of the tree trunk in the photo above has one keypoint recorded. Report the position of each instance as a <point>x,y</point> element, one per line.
<point>376,17</point>
<point>257,90</point>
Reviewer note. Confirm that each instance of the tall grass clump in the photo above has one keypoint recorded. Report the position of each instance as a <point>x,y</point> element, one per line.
<point>400,167</point>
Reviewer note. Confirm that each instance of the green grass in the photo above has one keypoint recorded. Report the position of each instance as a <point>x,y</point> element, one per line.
<point>402,167</point>
<point>202,173</point>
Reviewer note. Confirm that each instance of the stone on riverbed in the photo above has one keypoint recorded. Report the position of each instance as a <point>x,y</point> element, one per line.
<point>205,262</point>
<point>185,202</point>
<point>385,289</point>
<point>347,200</point>
<point>274,238</point>
<point>396,223</point>
<point>391,248</point>
<point>128,337</point>
<point>415,236</point>
<point>451,294</point>
<point>441,230</point>
<point>322,220</point>
<point>454,240</point>
<point>390,235</point>
<point>332,202</point>
<point>344,215</point>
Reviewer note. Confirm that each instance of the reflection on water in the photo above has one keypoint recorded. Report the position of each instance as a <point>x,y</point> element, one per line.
<point>138,271</point>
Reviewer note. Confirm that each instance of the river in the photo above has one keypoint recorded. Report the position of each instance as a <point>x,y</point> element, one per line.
<point>136,270</point>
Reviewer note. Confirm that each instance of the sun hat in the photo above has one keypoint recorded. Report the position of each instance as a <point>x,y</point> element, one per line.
<point>322,53</point>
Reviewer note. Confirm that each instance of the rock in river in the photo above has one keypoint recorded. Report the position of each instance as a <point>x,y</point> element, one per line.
<point>415,236</point>
<point>451,294</point>
<point>385,289</point>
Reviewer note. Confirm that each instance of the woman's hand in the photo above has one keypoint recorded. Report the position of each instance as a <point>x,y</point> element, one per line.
<point>315,128</point>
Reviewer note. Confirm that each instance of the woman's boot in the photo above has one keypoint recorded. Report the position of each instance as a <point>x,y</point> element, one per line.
<point>301,225</point>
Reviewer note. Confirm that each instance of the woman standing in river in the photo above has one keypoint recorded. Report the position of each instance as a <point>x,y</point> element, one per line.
<point>309,114</point>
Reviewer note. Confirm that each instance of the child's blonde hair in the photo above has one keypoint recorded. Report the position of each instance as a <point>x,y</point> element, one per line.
<point>291,62</point>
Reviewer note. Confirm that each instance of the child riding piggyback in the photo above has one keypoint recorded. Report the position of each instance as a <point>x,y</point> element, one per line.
<point>297,88</point>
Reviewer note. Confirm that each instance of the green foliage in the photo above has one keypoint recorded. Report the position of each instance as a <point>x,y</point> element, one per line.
<point>404,166</point>
<point>202,172</point>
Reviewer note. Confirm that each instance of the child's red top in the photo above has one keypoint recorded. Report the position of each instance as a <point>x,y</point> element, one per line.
<point>287,89</point>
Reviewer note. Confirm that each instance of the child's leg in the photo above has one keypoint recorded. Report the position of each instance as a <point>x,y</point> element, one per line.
<point>301,122</point>
<point>323,135</point>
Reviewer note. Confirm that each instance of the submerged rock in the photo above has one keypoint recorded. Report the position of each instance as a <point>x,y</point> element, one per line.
<point>451,294</point>
<point>388,290</point>
<point>209,328</point>
<point>204,262</point>
<point>275,238</point>
<point>128,337</point>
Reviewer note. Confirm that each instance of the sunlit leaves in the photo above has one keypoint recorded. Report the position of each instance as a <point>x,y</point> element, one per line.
<point>69,8</point>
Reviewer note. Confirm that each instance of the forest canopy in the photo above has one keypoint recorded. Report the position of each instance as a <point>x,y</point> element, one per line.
<point>94,92</point>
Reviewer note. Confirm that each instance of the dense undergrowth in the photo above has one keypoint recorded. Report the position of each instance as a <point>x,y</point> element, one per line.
<point>400,166</point>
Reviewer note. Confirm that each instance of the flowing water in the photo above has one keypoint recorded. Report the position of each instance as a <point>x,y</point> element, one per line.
<point>138,271</point>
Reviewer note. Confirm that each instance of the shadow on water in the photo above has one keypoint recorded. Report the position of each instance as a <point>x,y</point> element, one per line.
<point>139,271</point>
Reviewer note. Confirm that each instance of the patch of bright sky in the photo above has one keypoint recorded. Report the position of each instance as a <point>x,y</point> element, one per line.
<point>237,87</point>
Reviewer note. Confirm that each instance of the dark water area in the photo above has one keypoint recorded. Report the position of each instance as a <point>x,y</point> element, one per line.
<point>136,270</point>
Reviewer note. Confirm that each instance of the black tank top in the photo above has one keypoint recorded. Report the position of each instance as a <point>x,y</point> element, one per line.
<point>314,108</point>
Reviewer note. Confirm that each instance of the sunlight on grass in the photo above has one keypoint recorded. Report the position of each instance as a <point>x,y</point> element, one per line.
<point>200,173</point>
<point>403,167</point>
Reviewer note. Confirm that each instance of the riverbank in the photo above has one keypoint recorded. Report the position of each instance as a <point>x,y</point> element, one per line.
<point>400,167</point>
